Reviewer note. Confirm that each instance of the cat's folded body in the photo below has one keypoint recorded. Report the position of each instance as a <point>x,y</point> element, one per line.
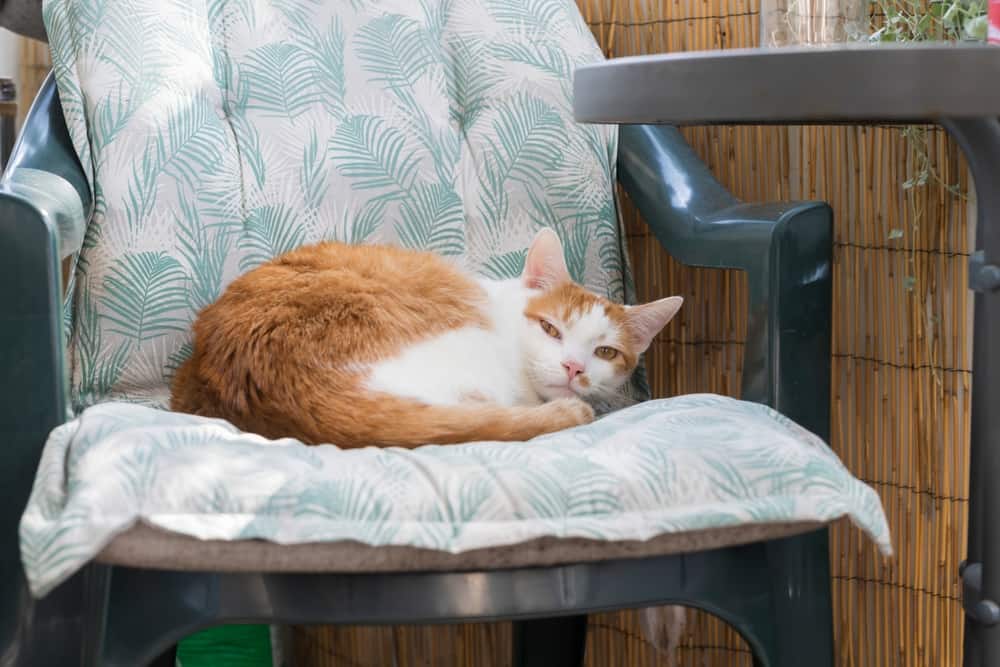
<point>376,345</point>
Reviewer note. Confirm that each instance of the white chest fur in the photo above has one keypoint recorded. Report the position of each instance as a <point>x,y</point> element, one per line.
<point>468,363</point>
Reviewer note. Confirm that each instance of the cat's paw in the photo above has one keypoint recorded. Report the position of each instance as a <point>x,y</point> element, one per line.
<point>573,412</point>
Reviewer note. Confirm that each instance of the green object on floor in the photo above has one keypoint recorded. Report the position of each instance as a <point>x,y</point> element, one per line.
<point>227,646</point>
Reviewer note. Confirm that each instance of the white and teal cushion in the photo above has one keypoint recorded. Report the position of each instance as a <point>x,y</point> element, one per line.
<point>668,466</point>
<point>217,134</point>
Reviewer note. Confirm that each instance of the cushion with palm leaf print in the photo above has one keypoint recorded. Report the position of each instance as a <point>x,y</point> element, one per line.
<point>677,469</point>
<point>217,134</point>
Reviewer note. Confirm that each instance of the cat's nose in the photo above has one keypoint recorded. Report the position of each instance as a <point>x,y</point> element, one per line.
<point>573,368</point>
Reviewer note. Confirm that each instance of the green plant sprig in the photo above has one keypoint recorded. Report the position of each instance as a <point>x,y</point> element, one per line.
<point>918,21</point>
<point>939,20</point>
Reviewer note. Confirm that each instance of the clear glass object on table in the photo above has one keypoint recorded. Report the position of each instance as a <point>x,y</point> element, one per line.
<point>813,22</point>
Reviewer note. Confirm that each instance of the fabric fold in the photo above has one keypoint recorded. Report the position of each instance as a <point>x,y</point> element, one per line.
<point>667,466</point>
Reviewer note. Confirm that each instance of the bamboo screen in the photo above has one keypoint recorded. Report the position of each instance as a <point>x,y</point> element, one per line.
<point>35,65</point>
<point>901,347</point>
<point>901,360</point>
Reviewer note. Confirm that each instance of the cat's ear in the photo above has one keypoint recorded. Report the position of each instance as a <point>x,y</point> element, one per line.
<point>647,320</point>
<point>545,265</point>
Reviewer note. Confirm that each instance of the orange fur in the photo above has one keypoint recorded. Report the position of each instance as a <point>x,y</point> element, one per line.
<point>281,352</point>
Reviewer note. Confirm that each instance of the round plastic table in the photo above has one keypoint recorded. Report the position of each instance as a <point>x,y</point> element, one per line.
<point>955,86</point>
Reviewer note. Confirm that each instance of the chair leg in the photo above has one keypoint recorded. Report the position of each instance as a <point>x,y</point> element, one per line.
<point>167,659</point>
<point>801,623</point>
<point>97,584</point>
<point>550,642</point>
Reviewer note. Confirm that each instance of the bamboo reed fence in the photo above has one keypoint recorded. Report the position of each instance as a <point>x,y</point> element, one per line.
<point>901,371</point>
<point>35,64</point>
<point>901,344</point>
<point>901,378</point>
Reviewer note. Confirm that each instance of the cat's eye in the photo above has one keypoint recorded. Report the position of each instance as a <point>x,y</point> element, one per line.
<point>549,329</point>
<point>606,353</point>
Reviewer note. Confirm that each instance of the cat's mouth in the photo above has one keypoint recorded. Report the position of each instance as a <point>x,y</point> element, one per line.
<point>561,391</point>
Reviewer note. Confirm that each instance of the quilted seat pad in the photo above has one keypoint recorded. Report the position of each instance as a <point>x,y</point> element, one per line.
<point>682,465</point>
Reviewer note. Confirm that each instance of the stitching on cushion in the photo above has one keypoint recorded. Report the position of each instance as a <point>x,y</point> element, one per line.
<point>227,116</point>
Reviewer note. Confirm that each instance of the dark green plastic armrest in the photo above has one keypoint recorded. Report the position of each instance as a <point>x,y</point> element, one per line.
<point>53,197</point>
<point>784,248</point>
<point>43,205</point>
<point>44,169</point>
<point>30,289</point>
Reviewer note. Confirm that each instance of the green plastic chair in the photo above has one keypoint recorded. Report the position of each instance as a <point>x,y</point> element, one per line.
<point>775,593</point>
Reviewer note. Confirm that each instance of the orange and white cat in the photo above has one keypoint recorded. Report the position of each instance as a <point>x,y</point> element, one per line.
<point>376,345</point>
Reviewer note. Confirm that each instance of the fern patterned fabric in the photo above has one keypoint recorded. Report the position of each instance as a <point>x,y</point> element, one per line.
<point>672,465</point>
<point>217,134</point>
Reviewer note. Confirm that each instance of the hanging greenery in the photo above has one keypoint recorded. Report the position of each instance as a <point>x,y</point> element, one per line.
<point>918,21</point>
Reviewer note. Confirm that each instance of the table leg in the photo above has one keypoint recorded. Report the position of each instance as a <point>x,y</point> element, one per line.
<point>980,141</point>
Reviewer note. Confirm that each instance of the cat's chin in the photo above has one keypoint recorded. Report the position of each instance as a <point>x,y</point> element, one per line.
<point>553,392</point>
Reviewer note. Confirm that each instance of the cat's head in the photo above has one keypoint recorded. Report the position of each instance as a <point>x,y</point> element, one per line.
<point>577,342</point>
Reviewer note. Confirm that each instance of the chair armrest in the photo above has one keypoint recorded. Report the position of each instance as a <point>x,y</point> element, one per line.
<point>43,205</point>
<point>33,395</point>
<point>784,248</point>
<point>44,168</point>
<point>54,198</point>
<point>23,17</point>
<point>33,392</point>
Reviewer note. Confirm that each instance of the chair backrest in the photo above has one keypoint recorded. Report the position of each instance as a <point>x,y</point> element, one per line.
<point>218,134</point>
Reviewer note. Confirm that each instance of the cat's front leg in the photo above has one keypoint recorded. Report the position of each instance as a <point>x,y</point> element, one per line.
<point>563,413</point>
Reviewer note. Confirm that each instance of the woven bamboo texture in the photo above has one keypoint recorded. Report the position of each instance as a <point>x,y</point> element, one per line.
<point>35,65</point>
<point>901,367</point>
<point>901,370</point>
